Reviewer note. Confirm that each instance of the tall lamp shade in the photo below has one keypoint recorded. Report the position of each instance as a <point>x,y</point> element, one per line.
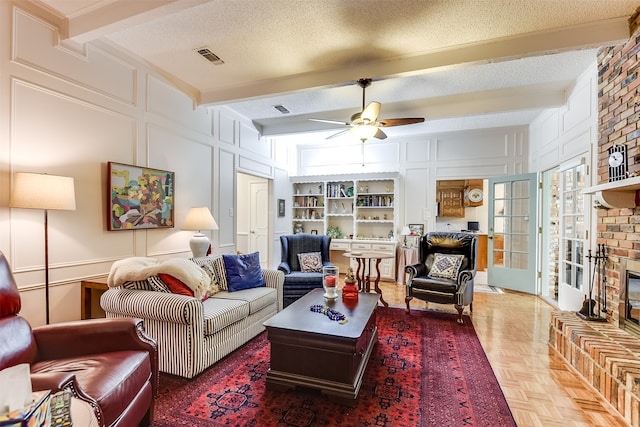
<point>199,219</point>
<point>42,191</point>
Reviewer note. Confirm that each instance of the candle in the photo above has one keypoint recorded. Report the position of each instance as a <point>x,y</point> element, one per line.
<point>330,281</point>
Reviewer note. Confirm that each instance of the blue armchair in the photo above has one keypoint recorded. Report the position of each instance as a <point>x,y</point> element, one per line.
<point>296,282</point>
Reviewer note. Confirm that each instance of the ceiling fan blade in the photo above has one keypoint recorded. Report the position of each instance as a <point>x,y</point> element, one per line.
<point>370,113</point>
<point>338,134</point>
<point>335,122</point>
<point>400,122</point>
<point>380,135</point>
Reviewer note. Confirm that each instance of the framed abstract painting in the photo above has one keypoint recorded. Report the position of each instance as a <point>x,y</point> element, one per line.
<point>139,197</point>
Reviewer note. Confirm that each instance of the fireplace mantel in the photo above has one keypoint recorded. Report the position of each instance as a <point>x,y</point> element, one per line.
<point>616,194</point>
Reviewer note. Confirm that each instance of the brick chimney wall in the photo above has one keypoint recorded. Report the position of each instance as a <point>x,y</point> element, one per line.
<point>618,123</point>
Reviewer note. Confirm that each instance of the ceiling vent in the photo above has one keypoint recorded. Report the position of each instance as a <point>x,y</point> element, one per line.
<point>281,108</point>
<point>209,56</point>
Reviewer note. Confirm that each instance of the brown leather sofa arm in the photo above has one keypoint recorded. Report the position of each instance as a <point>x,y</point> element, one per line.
<point>57,381</point>
<point>95,336</point>
<point>72,339</point>
<point>54,381</point>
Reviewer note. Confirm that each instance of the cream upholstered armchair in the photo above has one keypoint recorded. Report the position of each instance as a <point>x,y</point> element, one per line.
<point>446,270</point>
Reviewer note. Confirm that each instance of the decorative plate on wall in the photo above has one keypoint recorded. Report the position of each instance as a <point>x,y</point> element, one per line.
<point>475,195</point>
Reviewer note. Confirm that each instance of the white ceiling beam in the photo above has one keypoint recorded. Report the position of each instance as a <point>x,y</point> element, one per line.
<point>530,97</point>
<point>107,17</point>
<point>601,33</point>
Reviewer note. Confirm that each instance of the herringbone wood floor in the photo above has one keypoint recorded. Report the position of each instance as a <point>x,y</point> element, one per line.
<point>540,388</point>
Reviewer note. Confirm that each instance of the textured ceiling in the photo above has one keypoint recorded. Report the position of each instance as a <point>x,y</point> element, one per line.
<point>459,63</point>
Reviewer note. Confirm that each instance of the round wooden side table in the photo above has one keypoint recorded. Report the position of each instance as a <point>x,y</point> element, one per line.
<point>363,274</point>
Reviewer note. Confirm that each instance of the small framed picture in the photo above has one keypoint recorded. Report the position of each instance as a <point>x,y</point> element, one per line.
<point>281,208</point>
<point>416,229</point>
<point>314,231</point>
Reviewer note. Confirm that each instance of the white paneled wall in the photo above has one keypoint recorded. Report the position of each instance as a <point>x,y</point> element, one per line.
<point>421,161</point>
<point>560,134</point>
<point>68,109</point>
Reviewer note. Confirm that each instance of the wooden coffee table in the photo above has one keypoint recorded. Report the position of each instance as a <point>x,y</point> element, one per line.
<point>310,350</point>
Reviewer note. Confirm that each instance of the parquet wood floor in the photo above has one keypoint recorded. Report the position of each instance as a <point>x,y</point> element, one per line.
<point>542,391</point>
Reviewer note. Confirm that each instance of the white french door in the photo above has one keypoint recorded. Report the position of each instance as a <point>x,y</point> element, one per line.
<point>512,232</point>
<point>574,221</point>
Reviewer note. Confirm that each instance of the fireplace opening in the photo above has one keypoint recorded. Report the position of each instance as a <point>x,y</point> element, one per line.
<point>630,298</point>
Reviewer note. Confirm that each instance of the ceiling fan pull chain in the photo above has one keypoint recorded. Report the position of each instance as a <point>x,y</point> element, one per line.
<point>362,151</point>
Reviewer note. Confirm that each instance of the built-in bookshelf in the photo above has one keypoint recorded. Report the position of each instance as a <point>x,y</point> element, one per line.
<point>358,212</point>
<point>362,208</point>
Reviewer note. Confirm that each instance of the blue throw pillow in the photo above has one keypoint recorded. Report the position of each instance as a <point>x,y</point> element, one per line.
<point>243,271</point>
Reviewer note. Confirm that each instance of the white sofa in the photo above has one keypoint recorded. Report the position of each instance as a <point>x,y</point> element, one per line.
<point>193,334</point>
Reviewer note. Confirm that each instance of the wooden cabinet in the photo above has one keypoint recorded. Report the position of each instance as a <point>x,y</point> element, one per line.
<point>450,198</point>
<point>481,262</point>
<point>498,250</point>
<point>454,195</point>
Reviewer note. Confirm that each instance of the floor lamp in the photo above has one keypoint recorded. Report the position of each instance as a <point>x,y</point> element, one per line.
<point>199,219</point>
<point>42,191</point>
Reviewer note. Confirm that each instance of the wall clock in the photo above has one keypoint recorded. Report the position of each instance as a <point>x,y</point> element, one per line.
<point>475,195</point>
<point>617,162</point>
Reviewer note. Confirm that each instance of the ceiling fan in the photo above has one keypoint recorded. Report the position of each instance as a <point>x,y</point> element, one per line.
<point>365,124</point>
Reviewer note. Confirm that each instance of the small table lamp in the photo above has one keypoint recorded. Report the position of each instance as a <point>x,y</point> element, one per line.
<point>199,219</point>
<point>42,191</point>
<point>405,232</point>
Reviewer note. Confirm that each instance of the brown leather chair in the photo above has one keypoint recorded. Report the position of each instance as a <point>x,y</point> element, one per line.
<point>457,289</point>
<point>109,363</point>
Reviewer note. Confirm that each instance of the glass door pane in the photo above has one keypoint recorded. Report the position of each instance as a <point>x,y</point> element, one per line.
<point>511,224</point>
<point>572,217</point>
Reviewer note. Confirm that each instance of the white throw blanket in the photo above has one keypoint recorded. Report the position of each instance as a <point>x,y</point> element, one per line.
<point>140,268</point>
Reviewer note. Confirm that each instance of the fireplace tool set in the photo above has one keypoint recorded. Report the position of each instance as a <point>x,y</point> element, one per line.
<point>597,267</point>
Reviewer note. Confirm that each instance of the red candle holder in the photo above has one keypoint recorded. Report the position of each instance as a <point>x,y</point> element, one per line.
<point>329,281</point>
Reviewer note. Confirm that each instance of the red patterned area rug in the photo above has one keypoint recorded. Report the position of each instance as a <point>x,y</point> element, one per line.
<point>425,370</point>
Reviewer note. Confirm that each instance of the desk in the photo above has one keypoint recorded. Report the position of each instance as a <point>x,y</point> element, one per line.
<point>363,274</point>
<point>86,295</point>
<point>406,256</point>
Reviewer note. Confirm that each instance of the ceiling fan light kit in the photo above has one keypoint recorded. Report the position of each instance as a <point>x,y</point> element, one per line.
<point>365,124</point>
<point>364,132</point>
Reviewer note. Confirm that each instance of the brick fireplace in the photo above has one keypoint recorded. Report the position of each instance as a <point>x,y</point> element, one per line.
<point>604,354</point>
<point>629,306</point>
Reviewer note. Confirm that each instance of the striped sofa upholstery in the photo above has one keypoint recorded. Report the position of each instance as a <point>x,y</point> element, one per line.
<point>192,335</point>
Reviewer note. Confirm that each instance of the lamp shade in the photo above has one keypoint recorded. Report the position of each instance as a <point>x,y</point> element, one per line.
<point>42,191</point>
<point>405,231</point>
<point>199,219</point>
<point>364,132</point>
